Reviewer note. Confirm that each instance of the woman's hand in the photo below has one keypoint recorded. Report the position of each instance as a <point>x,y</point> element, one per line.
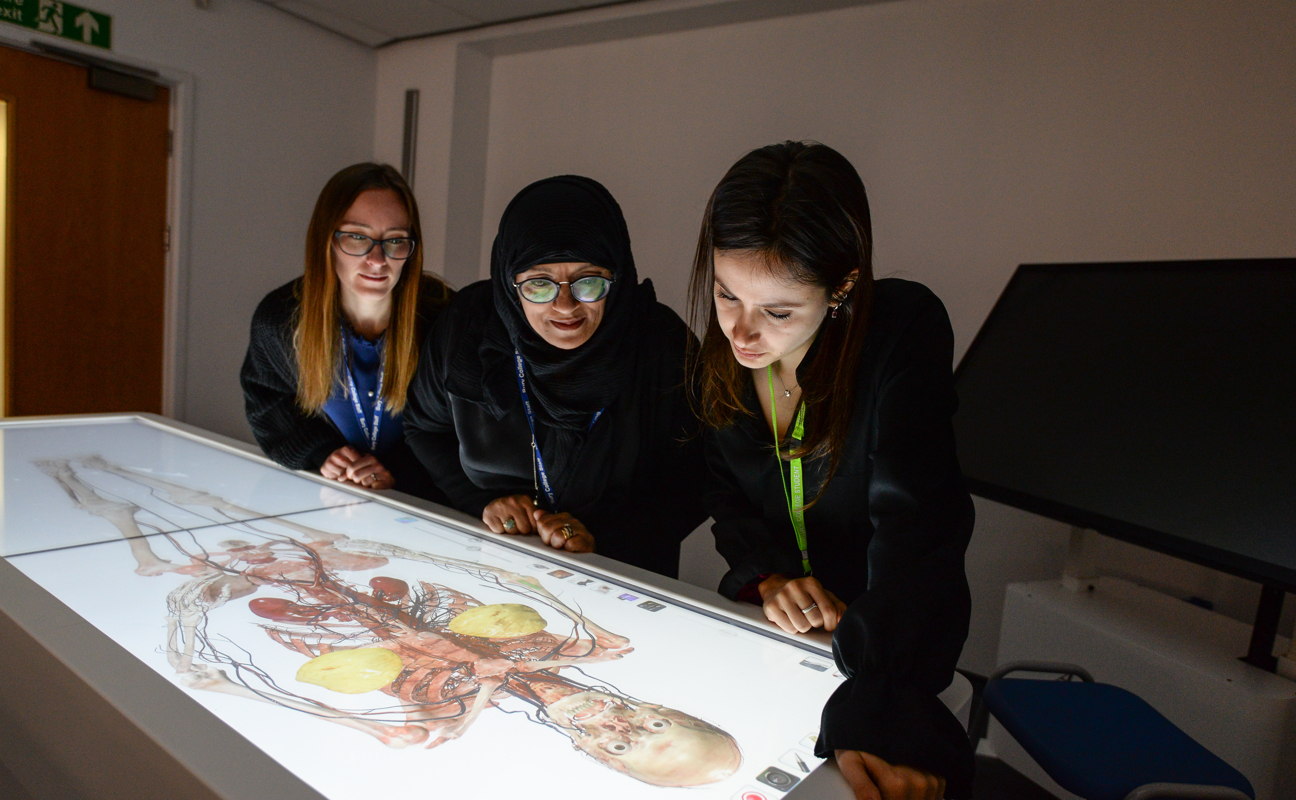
<point>871,778</point>
<point>368,471</point>
<point>563,532</point>
<point>798,605</point>
<point>335,466</point>
<point>518,514</point>
<point>510,514</point>
<point>348,465</point>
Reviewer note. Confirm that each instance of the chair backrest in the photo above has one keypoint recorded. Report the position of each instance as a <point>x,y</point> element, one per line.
<point>1102,742</point>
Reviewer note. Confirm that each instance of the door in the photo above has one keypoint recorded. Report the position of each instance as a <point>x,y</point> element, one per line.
<point>86,270</point>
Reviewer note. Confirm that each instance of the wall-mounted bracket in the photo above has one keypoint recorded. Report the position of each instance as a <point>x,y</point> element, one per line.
<point>1079,570</point>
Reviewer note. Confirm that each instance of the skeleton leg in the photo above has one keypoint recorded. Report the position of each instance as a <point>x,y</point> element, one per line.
<point>184,495</point>
<point>120,514</point>
<point>195,497</point>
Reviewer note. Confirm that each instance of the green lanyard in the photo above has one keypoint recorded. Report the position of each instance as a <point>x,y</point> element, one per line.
<point>795,503</point>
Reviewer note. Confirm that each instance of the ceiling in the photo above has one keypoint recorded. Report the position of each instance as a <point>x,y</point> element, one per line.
<point>379,22</point>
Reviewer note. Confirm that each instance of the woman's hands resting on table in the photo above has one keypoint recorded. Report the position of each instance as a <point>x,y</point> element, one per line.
<point>799,604</point>
<point>348,465</point>
<point>871,778</point>
<point>518,514</point>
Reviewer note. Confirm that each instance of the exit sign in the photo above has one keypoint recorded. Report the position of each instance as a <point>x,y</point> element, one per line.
<point>60,19</point>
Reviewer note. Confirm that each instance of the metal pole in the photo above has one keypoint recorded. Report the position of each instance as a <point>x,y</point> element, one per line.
<point>1266,629</point>
<point>410,145</point>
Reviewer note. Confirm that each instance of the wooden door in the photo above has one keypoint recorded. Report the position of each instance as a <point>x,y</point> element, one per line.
<point>86,278</point>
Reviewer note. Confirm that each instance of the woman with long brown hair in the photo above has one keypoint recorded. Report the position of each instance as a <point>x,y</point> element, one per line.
<point>332,353</point>
<point>837,497</point>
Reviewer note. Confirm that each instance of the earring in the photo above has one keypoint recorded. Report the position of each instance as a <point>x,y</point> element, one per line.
<point>834,311</point>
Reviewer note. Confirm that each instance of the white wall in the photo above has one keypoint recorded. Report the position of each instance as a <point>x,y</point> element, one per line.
<point>278,106</point>
<point>430,68</point>
<point>989,133</point>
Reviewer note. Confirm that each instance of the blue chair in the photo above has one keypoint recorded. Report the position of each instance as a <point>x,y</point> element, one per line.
<point>1102,742</point>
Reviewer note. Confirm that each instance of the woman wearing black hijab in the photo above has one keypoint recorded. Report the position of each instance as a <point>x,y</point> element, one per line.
<point>550,399</point>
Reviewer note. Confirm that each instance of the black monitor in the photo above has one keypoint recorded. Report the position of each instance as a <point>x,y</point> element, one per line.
<point>1154,402</point>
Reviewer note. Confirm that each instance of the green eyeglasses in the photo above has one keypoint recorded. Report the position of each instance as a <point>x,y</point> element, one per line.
<point>589,289</point>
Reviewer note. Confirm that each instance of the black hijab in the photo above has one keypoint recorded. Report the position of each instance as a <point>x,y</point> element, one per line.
<point>562,219</point>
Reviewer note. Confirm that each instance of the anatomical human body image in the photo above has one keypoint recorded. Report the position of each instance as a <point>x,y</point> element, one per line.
<point>373,647</point>
<point>426,656</point>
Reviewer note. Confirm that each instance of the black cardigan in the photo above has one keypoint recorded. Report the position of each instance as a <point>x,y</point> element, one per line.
<point>887,536</point>
<point>288,435</point>
<point>639,503</point>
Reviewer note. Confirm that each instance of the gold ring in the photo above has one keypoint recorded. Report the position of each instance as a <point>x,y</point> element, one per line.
<point>567,531</point>
<point>509,524</point>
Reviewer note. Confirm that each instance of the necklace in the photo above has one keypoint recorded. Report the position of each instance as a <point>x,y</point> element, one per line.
<point>786,391</point>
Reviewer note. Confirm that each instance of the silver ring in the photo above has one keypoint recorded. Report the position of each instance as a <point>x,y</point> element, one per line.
<point>509,524</point>
<point>809,608</point>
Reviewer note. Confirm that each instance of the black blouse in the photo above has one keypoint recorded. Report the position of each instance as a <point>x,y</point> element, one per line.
<point>291,437</point>
<point>887,536</point>
<point>634,479</point>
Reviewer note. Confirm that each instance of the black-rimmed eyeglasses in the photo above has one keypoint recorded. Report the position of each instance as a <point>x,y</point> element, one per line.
<point>589,289</point>
<point>357,244</point>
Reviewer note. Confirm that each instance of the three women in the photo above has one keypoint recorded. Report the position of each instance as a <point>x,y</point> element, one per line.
<point>552,399</point>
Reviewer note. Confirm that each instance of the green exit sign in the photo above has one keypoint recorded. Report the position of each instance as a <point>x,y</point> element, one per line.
<point>60,19</point>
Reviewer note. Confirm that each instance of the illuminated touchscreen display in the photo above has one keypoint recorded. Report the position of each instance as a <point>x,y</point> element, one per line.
<point>375,652</point>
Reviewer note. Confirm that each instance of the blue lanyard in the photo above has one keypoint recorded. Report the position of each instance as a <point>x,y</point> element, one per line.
<point>355,398</point>
<point>535,447</point>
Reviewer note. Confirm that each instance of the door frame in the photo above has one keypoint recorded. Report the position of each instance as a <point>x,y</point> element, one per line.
<point>6,233</point>
<point>175,317</point>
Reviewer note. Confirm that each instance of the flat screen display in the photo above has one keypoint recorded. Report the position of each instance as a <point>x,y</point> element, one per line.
<point>1154,402</point>
<point>377,652</point>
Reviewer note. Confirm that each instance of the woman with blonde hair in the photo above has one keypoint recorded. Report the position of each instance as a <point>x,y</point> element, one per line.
<point>332,353</point>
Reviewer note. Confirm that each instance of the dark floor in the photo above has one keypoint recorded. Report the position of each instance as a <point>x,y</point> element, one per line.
<point>996,780</point>
<point>10,788</point>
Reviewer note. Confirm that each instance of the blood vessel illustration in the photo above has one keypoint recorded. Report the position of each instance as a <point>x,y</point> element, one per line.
<point>441,657</point>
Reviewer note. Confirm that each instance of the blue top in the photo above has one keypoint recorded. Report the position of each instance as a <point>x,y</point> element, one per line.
<point>366,360</point>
